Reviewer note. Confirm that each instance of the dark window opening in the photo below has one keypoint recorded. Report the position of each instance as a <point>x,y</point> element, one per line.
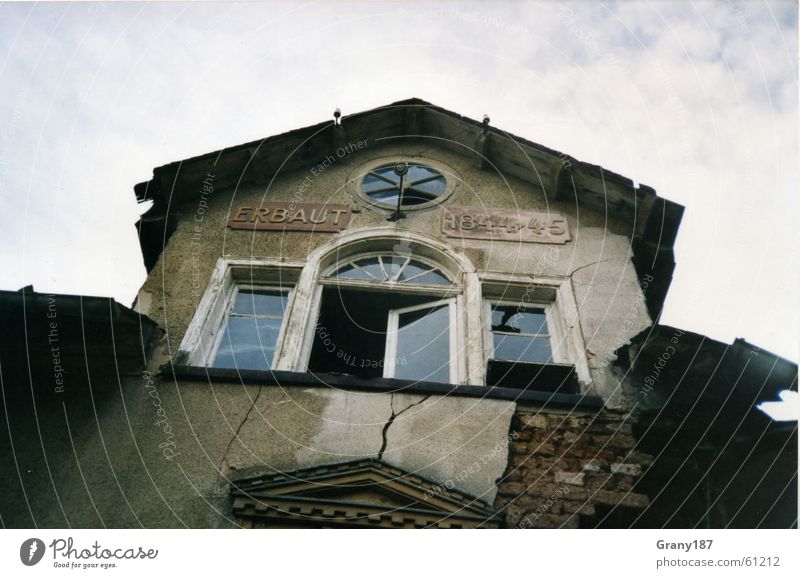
<point>352,330</point>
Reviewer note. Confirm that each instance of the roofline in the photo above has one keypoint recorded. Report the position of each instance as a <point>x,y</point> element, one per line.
<point>655,220</point>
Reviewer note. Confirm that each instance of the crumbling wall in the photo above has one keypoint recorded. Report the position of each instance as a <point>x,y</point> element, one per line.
<point>568,470</point>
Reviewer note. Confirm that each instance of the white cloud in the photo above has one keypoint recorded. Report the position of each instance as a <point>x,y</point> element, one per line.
<point>698,100</point>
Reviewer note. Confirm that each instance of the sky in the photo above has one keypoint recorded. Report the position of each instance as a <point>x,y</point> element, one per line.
<point>696,99</point>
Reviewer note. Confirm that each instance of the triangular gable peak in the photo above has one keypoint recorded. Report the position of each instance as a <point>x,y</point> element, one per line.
<point>361,493</point>
<point>654,220</point>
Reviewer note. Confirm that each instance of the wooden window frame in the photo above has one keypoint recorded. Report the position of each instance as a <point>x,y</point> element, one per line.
<point>556,296</point>
<point>393,321</point>
<point>230,301</point>
<point>554,329</point>
<point>201,341</point>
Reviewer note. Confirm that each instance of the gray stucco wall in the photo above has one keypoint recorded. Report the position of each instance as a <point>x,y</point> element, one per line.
<point>597,260</point>
<point>174,478</point>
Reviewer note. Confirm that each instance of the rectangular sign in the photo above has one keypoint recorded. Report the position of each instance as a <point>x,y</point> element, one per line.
<point>290,217</point>
<point>505,225</point>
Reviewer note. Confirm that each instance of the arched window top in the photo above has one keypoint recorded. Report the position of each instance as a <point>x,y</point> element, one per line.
<point>390,268</point>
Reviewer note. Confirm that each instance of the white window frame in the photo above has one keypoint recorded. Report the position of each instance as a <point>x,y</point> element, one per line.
<point>554,328</point>
<point>231,300</point>
<point>390,355</point>
<point>452,292</point>
<point>305,276</point>
<point>556,296</point>
<point>200,343</point>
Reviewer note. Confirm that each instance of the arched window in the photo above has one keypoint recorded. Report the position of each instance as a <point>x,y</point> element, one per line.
<point>386,268</point>
<point>388,314</point>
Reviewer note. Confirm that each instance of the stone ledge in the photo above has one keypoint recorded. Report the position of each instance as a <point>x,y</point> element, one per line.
<point>381,385</point>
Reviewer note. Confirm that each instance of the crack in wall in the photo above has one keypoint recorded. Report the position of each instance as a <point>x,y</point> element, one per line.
<point>587,265</point>
<point>391,419</point>
<point>223,462</point>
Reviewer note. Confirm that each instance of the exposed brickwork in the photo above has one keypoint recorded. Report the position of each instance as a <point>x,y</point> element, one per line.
<point>568,471</point>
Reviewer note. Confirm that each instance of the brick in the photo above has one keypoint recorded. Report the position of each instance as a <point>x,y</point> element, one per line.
<point>515,475</point>
<point>624,483</point>
<point>533,422</point>
<point>579,508</point>
<point>519,449</point>
<point>519,508</point>
<point>543,449</point>
<point>548,521</point>
<point>572,478</point>
<point>542,435</point>
<point>512,489</point>
<point>522,460</point>
<point>638,457</point>
<point>522,436</point>
<point>501,502</point>
<point>598,481</point>
<point>626,469</point>
<point>543,489</point>
<point>622,441</point>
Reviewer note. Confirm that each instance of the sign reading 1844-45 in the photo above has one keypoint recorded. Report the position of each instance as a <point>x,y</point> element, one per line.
<point>505,225</point>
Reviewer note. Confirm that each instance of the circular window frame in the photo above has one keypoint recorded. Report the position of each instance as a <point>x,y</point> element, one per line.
<point>356,190</point>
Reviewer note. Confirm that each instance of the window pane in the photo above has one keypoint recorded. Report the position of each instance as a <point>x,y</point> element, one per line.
<point>388,172</point>
<point>393,264</point>
<point>418,172</point>
<point>513,319</point>
<point>372,182</point>
<point>351,272</point>
<point>371,266</point>
<point>421,184</point>
<point>435,187</point>
<point>413,268</point>
<point>423,345</point>
<point>272,303</point>
<point>416,197</point>
<point>430,276</point>
<point>388,197</point>
<point>248,343</point>
<point>522,348</point>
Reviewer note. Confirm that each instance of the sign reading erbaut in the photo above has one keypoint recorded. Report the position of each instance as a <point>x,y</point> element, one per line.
<point>505,225</point>
<point>290,217</point>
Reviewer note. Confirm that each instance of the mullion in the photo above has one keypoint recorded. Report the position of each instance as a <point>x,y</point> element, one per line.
<point>402,268</point>
<point>367,273</point>
<point>417,275</point>
<point>384,179</point>
<point>383,190</point>
<point>383,269</point>
<point>419,192</point>
<point>424,180</point>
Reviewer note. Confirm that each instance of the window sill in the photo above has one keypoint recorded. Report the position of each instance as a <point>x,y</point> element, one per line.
<point>541,377</point>
<point>380,385</point>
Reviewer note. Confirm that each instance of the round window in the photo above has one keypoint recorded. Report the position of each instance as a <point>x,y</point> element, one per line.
<point>414,185</point>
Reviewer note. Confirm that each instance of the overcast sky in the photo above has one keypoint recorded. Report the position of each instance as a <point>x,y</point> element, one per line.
<point>696,99</point>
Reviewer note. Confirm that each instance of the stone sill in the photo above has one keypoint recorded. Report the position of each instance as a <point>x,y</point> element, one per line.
<point>382,385</point>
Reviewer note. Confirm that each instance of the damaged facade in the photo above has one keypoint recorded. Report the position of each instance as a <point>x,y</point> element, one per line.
<point>403,318</point>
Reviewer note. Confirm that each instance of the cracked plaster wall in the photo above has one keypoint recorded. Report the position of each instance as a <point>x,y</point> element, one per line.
<point>458,441</point>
